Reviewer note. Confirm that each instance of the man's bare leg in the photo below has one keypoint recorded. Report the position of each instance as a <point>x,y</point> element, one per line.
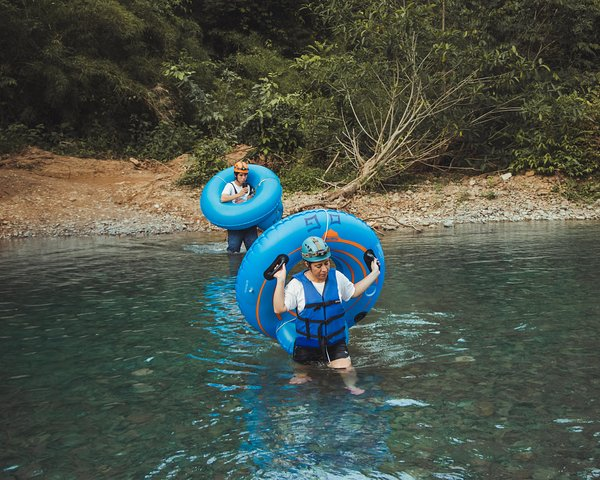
<point>300,376</point>
<point>348,373</point>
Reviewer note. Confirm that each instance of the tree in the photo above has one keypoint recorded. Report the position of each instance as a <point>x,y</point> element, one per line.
<point>229,26</point>
<point>84,63</point>
<point>402,128</point>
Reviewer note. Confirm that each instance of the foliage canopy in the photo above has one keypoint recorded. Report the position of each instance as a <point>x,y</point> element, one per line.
<point>313,86</point>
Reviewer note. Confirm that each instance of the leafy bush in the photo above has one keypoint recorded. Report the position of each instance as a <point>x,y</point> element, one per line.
<point>76,62</point>
<point>489,195</point>
<point>562,135</point>
<point>204,92</point>
<point>98,142</point>
<point>149,78</point>
<point>208,158</point>
<point>303,178</point>
<point>167,141</point>
<point>257,61</point>
<point>581,190</point>
<point>17,136</point>
<point>273,121</point>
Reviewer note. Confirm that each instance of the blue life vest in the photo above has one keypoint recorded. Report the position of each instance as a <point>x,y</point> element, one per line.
<point>321,322</point>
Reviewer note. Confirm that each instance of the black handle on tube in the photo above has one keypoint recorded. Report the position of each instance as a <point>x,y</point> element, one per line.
<point>369,256</point>
<point>279,261</point>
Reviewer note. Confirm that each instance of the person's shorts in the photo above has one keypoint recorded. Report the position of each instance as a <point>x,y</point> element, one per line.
<point>308,355</point>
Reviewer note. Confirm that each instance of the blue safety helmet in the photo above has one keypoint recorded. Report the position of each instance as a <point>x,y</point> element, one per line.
<point>314,249</point>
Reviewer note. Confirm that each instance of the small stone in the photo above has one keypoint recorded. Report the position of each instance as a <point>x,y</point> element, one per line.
<point>143,388</point>
<point>485,409</point>
<point>506,176</point>
<point>464,359</point>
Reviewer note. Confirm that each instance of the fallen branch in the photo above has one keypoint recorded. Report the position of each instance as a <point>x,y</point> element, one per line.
<point>402,224</point>
<point>308,206</point>
<point>397,126</point>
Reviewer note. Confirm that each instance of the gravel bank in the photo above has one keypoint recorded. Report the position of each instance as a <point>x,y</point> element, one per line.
<point>474,200</point>
<point>44,195</point>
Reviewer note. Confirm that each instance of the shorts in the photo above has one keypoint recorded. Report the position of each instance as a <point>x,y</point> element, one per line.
<point>307,355</point>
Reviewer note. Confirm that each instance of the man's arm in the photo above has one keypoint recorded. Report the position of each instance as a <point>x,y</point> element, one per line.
<point>228,198</point>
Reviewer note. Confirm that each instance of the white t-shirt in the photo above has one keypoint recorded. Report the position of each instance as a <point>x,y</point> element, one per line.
<point>294,291</point>
<point>232,189</point>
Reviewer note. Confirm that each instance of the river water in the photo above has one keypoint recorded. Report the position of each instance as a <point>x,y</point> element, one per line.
<point>127,358</point>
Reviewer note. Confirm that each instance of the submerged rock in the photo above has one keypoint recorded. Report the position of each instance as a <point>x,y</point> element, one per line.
<point>464,359</point>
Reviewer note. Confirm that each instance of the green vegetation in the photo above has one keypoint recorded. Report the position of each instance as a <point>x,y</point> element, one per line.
<point>463,197</point>
<point>489,195</point>
<point>586,190</point>
<point>354,93</point>
<point>207,159</point>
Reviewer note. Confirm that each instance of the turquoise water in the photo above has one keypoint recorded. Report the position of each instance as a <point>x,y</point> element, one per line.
<point>128,358</point>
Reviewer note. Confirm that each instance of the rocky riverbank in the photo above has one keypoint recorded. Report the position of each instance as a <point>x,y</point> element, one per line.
<point>482,199</point>
<point>46,195</point>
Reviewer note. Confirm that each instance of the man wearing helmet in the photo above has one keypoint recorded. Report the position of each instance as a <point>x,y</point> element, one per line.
<point>239,191</point>
<point>315,294</point>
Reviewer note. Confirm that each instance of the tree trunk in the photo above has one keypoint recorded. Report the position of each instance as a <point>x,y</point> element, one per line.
<point>368,170</point>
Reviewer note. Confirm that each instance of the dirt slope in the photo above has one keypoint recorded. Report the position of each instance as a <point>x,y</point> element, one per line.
<point>46,194</point>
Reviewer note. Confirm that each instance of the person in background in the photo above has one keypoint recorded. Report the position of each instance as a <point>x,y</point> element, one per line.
<point>316,295</point>
<point>239,191</point>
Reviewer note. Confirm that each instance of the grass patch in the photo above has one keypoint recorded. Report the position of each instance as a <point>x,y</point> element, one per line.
<point>585,190</point>
<point>489,195</point>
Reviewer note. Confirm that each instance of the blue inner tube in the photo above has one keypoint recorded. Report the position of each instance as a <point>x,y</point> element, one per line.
<point>263,209</point>
<point>351,241</point>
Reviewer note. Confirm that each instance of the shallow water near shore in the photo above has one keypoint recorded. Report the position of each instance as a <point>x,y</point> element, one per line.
<point>128,358</point>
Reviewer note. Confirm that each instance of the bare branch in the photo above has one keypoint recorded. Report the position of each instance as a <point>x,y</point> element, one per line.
<point>389,139</point>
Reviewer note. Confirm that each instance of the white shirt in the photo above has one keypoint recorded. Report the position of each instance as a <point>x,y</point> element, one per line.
<point>232,189</point>
<point>294,291</point>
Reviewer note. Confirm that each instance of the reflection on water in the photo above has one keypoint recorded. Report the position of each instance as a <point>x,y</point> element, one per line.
<point>128,358</point>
